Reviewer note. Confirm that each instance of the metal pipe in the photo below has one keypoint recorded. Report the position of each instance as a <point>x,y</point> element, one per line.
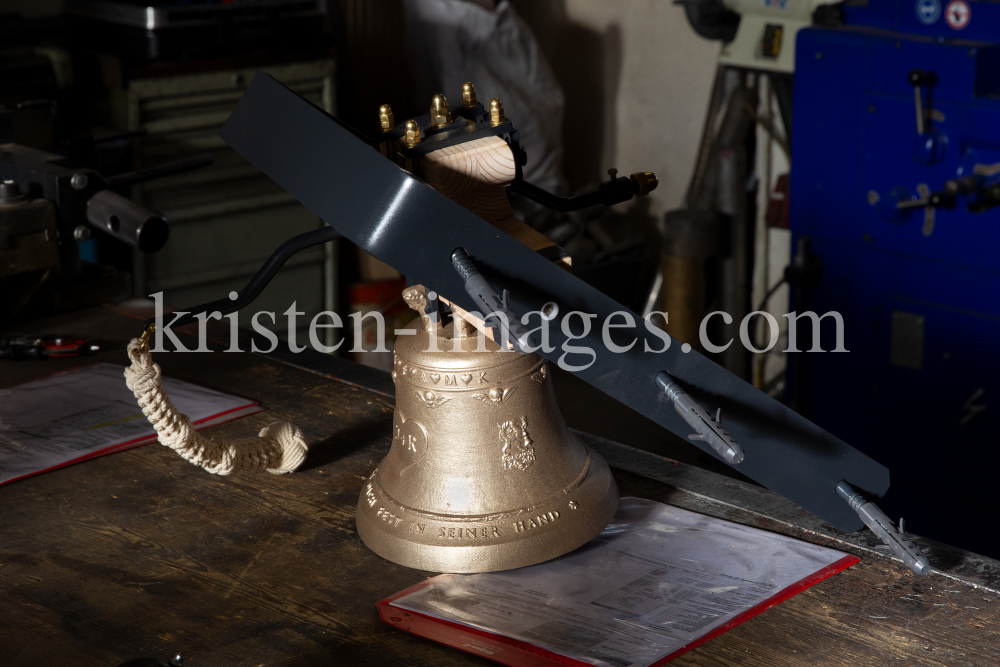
<point>127,221</point>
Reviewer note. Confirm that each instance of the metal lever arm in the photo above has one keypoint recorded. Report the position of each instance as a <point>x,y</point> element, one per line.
<point>609,193</point>
<point>260,279</point>
<point>918,78</point>
<point>932,200</point>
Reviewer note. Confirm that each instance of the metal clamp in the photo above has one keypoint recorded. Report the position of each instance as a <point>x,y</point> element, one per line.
<point>708,429</point>
<point>506,325</point>
<point>880,524</point>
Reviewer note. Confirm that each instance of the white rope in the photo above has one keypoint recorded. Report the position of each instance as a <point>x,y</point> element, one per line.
<point>280,447</point>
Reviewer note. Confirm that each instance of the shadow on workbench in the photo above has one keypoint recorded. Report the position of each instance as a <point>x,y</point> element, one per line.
<point>344,443</point>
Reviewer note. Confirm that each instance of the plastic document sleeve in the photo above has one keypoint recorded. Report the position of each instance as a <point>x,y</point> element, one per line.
<point>657,583</point>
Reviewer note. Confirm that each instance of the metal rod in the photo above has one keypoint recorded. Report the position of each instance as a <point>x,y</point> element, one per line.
<point>609,193</point>
<point>258,282</point>
<point>121,135</point>
<point>168,169</point>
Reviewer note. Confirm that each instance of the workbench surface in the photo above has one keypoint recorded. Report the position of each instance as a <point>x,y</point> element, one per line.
<point>143,554</point>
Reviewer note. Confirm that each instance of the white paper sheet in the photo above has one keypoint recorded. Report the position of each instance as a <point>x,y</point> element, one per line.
<point>87,412</point>
<point>657,579</point>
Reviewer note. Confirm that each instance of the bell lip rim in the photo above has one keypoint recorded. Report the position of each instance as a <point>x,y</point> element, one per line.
<point>550,544</point>
<point>553,545</point>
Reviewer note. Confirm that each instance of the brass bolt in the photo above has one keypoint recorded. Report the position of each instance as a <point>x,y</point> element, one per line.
<point>496,112</point>
<point>613,173</point>
<point>385,118</point>
<point>646,180</point>
<point>440,116</point>
<point>412,137</point>
<point>468,95</point>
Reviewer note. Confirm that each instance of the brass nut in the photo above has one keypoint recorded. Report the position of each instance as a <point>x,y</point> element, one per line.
<point>385,119</point>
<point>468,95</point>
<point>440,115</point>
<point>646,180</point>
<point>496,112</point>
<point>412,136</point>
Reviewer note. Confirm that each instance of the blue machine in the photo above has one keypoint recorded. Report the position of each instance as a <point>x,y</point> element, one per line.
<point>899,207</point>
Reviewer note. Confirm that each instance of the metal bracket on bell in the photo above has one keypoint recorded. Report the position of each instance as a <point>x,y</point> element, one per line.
<point>709,429</point>
<point>506,325</point>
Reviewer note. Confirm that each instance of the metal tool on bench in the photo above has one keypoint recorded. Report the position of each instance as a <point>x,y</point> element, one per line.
<point>29,346</point>
<point>397,218</point>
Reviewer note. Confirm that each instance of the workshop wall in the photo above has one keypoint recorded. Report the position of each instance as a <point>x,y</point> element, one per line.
<point>636,80</point>
<point>32,8</point>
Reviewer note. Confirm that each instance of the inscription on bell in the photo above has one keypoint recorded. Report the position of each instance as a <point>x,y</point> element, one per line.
<point>438,379</point>
<point>388,517</point>
<point>536,521</point>
<point>410,437</point>
<point>466,533</point>
<point>408,440</point>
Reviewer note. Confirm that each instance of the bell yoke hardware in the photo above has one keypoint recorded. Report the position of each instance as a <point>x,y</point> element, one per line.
<point>403,222</point>
<point>408,225</point>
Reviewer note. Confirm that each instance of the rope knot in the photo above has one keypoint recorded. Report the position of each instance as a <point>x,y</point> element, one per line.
<point>280,444</point>
<point>293,445</point>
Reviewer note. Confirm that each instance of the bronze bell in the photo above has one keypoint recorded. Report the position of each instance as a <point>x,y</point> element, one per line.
<point>483,474</point>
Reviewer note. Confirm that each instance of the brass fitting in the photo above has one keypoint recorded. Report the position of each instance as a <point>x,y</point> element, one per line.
<point>646,180</point>
<point>144,339</point>
<point>496,112</point>
<point>412,137</point>
<point>440,116</point>
<point>468,95</point>
<point>385,118</point>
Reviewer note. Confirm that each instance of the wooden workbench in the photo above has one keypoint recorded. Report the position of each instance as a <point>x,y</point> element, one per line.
<point>142,554</point>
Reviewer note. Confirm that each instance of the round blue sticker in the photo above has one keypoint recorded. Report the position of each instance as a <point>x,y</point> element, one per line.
<point>928,11</point>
